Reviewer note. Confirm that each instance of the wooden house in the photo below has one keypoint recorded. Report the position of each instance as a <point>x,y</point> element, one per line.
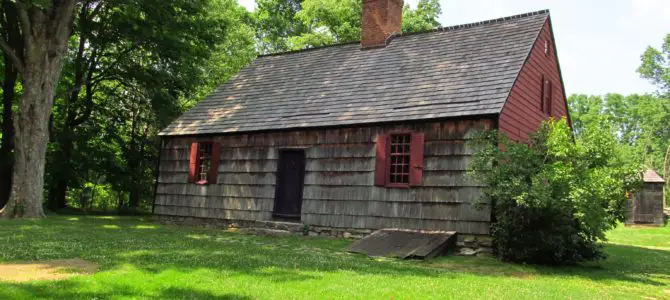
<point>359,136</point>
<point>646,206</point>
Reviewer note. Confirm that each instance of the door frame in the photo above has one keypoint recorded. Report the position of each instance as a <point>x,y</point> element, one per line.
<point>281,151</point>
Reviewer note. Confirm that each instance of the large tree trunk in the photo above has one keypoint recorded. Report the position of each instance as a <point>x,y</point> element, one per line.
<point>32,136</point>
<point>13,37</point>
<point>6,161</point>
<point>45,34</point>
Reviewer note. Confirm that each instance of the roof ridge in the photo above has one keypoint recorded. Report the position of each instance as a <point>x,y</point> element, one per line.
<point>308,49</point>
<point>439,29</point>
<point>479,23</point>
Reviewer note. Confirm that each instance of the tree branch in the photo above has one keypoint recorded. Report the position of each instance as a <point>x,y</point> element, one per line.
<point>115,61</point>
<point>22,11</point>
<point>89,104</point>
<point>16,61</point>
<point>62,29</point>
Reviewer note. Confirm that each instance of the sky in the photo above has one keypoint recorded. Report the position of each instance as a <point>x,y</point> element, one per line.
<point>599,42</point>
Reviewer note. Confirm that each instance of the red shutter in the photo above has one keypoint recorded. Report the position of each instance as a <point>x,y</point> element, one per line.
<point>381,157</point>
<point>193,163</point>
<point>546,97</point>
<point>214,166</point>
<point>416,159</point>
<point>549,100</point>
<point>542,86</point>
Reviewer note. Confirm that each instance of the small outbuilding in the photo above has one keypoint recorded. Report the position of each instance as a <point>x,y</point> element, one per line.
<point>646,206</point>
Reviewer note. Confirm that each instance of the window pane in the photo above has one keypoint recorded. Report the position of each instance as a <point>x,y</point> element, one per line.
<point>400,156</point>
<point>205,157</point>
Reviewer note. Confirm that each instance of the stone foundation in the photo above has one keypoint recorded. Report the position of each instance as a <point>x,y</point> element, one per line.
<point>206,222</point>
<point>472,244</point>
<point>466,244</point>
<point>349,233</point>
<point>264,227</point>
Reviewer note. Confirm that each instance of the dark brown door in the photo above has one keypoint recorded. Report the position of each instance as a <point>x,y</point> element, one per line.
<point>290,177</point>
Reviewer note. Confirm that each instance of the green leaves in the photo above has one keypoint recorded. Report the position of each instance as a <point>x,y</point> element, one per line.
<point>638,121</point>
<point>133,67</point>
<point>656,66</point>
<point>300,24</point>
<point>423,18</point>
<point>275,21</point>
<point>555,182</point>
<point>339,18</point>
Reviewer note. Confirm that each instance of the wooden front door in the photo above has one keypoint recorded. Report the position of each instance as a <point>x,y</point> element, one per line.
<point>290,179</point>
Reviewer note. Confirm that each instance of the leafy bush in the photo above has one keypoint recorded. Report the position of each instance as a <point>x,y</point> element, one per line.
<point>554,198</point>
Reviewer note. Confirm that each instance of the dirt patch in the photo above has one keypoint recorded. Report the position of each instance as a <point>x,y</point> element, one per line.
<point>46,270</point>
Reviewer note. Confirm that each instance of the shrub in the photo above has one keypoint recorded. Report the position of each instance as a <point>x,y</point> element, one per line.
<point>554,198</point>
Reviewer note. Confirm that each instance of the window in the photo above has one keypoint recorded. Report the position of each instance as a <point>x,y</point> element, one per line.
<point>547,48</point>
<point>399,160</point>
<point>546,99</point>
<point>204,162</point>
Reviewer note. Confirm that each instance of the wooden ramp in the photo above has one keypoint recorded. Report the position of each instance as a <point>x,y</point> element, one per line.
<point>404,243</point>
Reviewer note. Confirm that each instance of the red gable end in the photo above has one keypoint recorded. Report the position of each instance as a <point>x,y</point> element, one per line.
<point>527,104</point>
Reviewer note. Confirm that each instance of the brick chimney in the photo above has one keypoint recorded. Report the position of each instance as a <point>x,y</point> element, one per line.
<point>381,19</point>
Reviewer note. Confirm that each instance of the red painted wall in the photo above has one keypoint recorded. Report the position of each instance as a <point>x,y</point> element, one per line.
<point>522,114</point>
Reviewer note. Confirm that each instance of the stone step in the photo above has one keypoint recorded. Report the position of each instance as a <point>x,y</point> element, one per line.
<point>282,225</point>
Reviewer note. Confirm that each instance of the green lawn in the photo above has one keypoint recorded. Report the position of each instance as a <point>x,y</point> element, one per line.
<point>139,259</point>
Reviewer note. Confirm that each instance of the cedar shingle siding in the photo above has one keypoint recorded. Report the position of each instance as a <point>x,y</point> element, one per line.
<point>339,188</point>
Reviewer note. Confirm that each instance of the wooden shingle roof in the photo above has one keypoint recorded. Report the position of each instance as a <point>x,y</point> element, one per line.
<point>463,70</point>
<point>651,176</point>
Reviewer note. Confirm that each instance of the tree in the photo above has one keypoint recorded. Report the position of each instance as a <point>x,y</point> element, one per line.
<point>45,27</point>
<point>584,111</point>
<point>423,18</point>
<point>275,23</point>
<point>554,198</point>
<point>294,25</point>
<point>656,68</point>
<point>11,34</point>
<point>328,22</point>
<point>135,66</point>
<point>640,121</point>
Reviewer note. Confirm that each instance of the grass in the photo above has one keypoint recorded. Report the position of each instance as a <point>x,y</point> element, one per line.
<point>139,259</point>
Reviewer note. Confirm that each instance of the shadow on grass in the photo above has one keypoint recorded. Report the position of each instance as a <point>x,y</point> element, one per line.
<point>277,259</point>
<point>625,263</point>
<point>78,290</point>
